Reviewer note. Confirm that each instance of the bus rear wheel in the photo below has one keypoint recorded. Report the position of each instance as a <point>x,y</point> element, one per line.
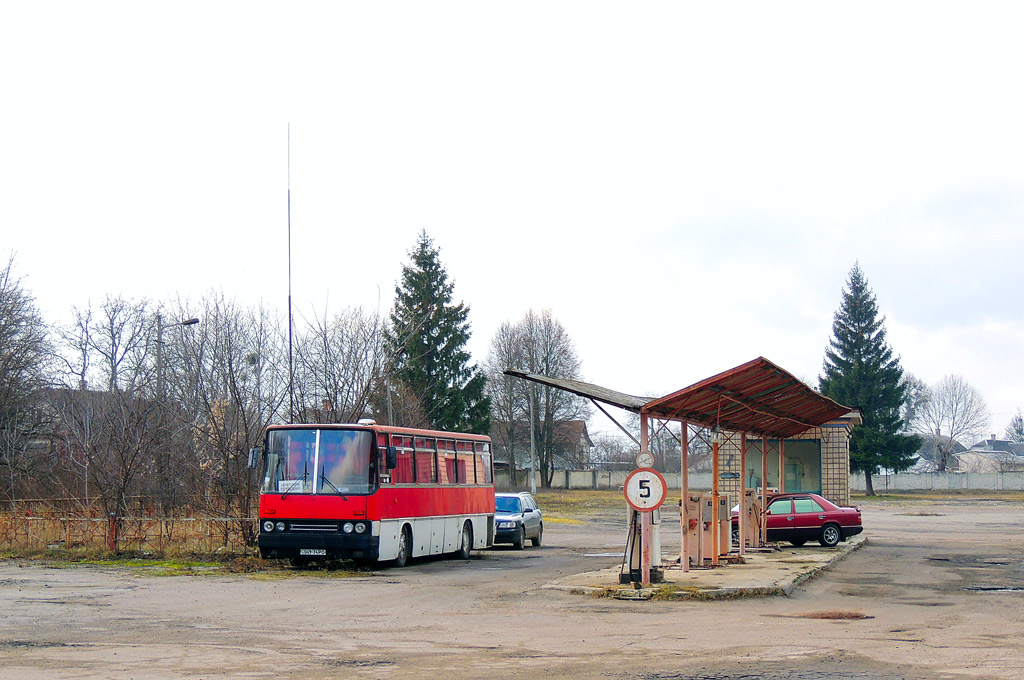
<point>467,541</point>
<point>404,547</point>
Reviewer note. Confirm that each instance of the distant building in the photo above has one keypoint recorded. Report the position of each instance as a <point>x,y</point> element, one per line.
<point>928,455</point>
<point>992,455</point>
<point>572,443</point>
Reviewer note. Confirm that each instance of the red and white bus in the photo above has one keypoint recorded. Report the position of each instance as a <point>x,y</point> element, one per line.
<point>370,492</point>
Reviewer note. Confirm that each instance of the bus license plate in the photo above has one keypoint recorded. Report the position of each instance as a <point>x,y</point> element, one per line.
<point>314,552</point>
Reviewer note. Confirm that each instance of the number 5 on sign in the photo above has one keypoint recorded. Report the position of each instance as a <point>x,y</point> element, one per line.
<point>645,489</point>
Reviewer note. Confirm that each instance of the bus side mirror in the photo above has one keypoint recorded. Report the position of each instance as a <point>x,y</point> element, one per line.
<point>392,458</point>
<point>254,457</point>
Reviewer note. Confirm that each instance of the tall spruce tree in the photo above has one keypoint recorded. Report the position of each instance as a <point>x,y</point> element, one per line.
<point>861,371</point>
<point>428,336</point>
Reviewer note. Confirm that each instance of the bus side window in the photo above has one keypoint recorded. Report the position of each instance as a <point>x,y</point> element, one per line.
<point>446,463</point>
<point>464,467</point>
<point>483,460</point>
<point>403,474</point>
<point>426,465</point>
<point>383,472</point>
<point>463,448</point>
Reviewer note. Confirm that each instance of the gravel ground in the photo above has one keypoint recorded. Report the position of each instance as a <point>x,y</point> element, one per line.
<point>934,594</point>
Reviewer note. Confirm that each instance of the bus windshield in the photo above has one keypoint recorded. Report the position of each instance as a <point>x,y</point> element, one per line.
<point>318,461</point>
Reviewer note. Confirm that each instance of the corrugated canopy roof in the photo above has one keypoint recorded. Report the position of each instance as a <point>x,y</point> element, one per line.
<point>591,391</point>
<point>757,397</point>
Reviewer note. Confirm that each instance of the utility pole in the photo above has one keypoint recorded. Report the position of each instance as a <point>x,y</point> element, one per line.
<point>533,445</point>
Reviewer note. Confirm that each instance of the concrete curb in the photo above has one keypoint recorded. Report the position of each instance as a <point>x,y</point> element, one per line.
<point>668,592</point>
<point>811,573</point>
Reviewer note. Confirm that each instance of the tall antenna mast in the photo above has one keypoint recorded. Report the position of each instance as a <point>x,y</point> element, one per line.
<point>291,365</point>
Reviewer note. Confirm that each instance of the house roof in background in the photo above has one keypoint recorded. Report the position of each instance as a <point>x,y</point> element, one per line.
<point>995,446</point>
<point>566,431</point>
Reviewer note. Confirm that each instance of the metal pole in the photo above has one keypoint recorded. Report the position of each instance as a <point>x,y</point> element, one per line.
<point>744,506</point>
<point>533,446</point>
<point>684,478</point>
<point>161,452</point>
<point>645,519</point>
<point>715,531</point>
<point>782,465</point>
<point>291,365</point>
<point>764,490</point>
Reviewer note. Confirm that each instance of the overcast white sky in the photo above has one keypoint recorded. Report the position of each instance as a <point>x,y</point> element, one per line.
<point>686,188</point>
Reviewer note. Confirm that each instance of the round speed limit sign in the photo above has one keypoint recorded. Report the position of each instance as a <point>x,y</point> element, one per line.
<point>645,489</point>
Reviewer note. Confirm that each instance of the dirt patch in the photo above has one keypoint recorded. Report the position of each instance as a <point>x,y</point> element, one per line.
<point>833,615</point>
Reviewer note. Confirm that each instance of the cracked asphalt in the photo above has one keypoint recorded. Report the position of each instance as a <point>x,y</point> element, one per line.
<point>935,594</point>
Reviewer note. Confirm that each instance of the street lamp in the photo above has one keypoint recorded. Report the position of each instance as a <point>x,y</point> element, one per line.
<point>161,453</point>
<point>160,352</point>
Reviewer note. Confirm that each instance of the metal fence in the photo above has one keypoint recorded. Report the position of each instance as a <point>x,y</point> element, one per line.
<point>27,532</point>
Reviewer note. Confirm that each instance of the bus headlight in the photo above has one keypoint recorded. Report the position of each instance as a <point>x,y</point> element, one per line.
<point>280,526</point>
<point>268,526</point>
<point>347,527</point>
<point>360,527</point>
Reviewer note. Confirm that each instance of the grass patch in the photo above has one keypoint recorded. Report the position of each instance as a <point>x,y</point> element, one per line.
<point>563,520</point>
<point>192,565</point>
<point>672,592</point>
<point>600,591</point>
<point>580,504</point>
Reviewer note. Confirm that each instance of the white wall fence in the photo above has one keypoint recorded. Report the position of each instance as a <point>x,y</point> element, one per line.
<point>598,479</point>
<point>905,481</point>
<point>942,481</point>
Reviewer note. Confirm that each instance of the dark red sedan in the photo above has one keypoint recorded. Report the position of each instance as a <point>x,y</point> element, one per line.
<point>802,517</point>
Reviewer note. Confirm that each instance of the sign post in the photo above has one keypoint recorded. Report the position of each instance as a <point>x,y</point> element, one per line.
<point>645,491</point>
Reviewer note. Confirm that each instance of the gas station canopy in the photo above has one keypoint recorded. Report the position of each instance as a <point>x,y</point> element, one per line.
<point>757,398</point>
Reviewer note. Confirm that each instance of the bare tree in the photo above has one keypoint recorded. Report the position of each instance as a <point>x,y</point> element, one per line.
<point>397,404</point>
<point>614,452</point>
<point>509,408</point>
<point>917,394</point>
<point>75,339</point>
<point>664,442</point>
<point>114,433</point>
<point>699,451</point>
<point>548,350</point>
<point>231,379</point>
<point>120,335</point>
<point>25,357</point>
<point>1015,430</point>
<point>109,436</point>
<point>957,412</point>
<point>341,365</point>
